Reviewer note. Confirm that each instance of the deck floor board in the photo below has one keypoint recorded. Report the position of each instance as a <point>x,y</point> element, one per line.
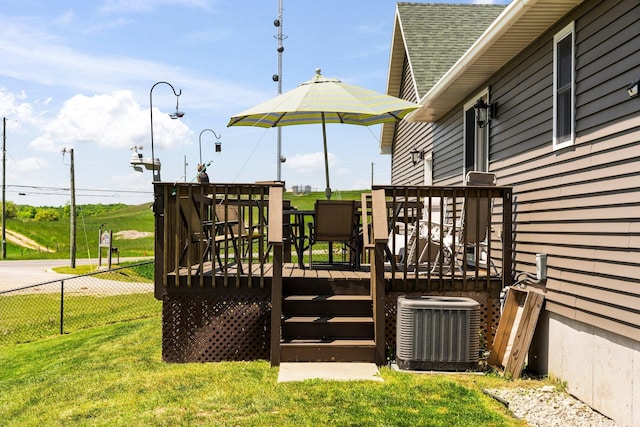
<point>339,273</point>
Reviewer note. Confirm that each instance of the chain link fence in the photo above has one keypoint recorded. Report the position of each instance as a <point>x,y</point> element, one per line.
<point>73,303</point>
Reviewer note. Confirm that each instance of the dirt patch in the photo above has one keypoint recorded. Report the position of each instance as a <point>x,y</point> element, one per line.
<point>132,234</point>
<point>25,242</point>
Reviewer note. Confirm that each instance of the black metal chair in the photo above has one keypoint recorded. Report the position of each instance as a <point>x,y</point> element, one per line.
<point>335,222</point>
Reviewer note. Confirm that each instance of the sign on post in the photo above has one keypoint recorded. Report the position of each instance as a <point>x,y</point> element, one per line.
<point>105,242</point>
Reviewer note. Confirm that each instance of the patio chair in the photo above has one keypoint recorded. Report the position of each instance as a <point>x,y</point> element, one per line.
<point>335,222</point>
<point>197,248</point>
<point>472,229</point>
<point>231,227</point>
<point>422,245</point>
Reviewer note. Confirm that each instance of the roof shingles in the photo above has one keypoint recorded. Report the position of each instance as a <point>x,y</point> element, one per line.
<point>436,35</point>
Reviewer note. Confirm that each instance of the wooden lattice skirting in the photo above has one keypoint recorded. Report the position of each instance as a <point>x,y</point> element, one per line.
<point>234,325</point>
<point>218,327</point>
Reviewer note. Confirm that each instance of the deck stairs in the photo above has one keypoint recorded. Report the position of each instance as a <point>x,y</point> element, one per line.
<point>327,320</point>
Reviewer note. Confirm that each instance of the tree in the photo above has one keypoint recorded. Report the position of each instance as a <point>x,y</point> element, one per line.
<point>47,214</point>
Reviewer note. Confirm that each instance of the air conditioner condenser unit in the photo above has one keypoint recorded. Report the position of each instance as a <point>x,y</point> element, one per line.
<point>437,333</point>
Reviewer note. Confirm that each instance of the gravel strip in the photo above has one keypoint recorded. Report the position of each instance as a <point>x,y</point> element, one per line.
<point>548,407</point>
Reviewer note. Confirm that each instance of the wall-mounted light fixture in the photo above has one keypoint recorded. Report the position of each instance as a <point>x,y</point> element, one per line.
<point>484,112</point>
<point>632,90</point>
<point>416,155</point>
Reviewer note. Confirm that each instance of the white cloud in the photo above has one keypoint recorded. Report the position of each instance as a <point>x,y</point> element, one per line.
<point>31,164</point>
<point>109,120</point>
<point>111,6</point>
<point>309,163</point>
<point>17,110</point>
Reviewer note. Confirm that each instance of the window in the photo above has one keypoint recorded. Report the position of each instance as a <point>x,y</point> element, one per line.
<point>476,139</point>
<point>563,88</point>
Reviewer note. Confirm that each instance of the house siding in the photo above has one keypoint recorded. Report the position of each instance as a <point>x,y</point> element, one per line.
<point>413,136</point>
<point>449,149</point>
<point>579,205</point>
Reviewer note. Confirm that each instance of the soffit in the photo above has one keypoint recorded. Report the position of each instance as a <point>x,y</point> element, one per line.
<point>517,26</point>
<point>433,37</point>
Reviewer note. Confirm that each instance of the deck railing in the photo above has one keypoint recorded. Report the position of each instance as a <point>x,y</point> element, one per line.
<point>219,230</point>
<point>413,239</point>
<point>444,233</point>
<point>441,234</point>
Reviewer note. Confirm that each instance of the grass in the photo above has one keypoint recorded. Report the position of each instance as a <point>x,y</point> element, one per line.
<point>55,234</point>
<point>37,316</point>
<point>307,201</point>
<point>113,375</point>
<point>32,316</point>
<point>139,272</point>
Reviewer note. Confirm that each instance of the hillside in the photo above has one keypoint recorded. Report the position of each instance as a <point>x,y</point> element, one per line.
<point>43,233</point>
<point>43,238</point>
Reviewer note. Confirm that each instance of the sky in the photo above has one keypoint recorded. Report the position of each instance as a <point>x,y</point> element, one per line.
<point>79,75</point>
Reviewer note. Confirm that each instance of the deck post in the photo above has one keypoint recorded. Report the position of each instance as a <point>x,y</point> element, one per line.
<point>275,239</point>
<point>507,238</point>
<point>379,231</point>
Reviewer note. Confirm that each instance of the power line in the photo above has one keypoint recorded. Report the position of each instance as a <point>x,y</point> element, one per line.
<point>38,187</point>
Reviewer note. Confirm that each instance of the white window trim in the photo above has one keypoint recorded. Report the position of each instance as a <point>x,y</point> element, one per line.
<point>569,29</point>
<point>469,104</point>
<point>428,169</point>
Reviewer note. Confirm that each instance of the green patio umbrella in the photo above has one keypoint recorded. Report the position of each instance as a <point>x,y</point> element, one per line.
<point>324,100</point>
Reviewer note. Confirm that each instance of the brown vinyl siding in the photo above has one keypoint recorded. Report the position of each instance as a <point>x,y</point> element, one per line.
<point>527,93</point>
<point>448,156</point>
<point>413,135</point>
<point>580,205</point>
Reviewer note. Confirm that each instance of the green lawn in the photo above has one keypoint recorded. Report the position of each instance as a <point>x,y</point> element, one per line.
<point>113,375</point>
<point>54,235</point>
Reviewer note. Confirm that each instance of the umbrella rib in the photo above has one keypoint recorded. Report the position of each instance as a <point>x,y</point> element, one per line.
<point>238,119</point>
<point>275,123</point>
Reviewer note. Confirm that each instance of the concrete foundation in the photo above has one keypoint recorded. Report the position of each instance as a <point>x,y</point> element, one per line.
<point>600,368</point>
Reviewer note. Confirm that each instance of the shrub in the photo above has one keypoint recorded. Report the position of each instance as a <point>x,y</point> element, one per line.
<point>47,214</point>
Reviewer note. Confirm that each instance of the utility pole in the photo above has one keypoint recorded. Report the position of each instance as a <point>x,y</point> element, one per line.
<point>72,211</point>
<point>4,204</point>
<point>278,78</point>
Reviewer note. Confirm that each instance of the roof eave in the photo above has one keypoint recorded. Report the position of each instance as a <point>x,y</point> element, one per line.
<point>394,80</point>
<point>519,24</point>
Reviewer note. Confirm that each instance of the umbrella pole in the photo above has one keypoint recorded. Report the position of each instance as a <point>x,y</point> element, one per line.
<point>327,190</point>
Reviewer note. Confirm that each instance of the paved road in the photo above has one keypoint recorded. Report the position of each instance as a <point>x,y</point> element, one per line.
<point>14,274</point>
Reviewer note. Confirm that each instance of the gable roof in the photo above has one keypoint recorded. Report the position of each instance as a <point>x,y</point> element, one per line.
<point>514,29</point>
<point>433,36</point>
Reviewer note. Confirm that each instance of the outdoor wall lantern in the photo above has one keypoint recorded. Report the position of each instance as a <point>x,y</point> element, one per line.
<point>632,90</point>
<point>416,155</point>
<point>484,112</point>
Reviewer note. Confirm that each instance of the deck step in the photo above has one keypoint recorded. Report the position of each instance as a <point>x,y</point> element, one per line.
<point>298,327</point>
<point>322,286</point>
<point>327,350</point>
<point>327,305</point>
<point>326,321</point>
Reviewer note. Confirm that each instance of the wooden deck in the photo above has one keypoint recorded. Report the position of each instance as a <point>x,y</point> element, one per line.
<point>261,275</point>
<point>216,309</point>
